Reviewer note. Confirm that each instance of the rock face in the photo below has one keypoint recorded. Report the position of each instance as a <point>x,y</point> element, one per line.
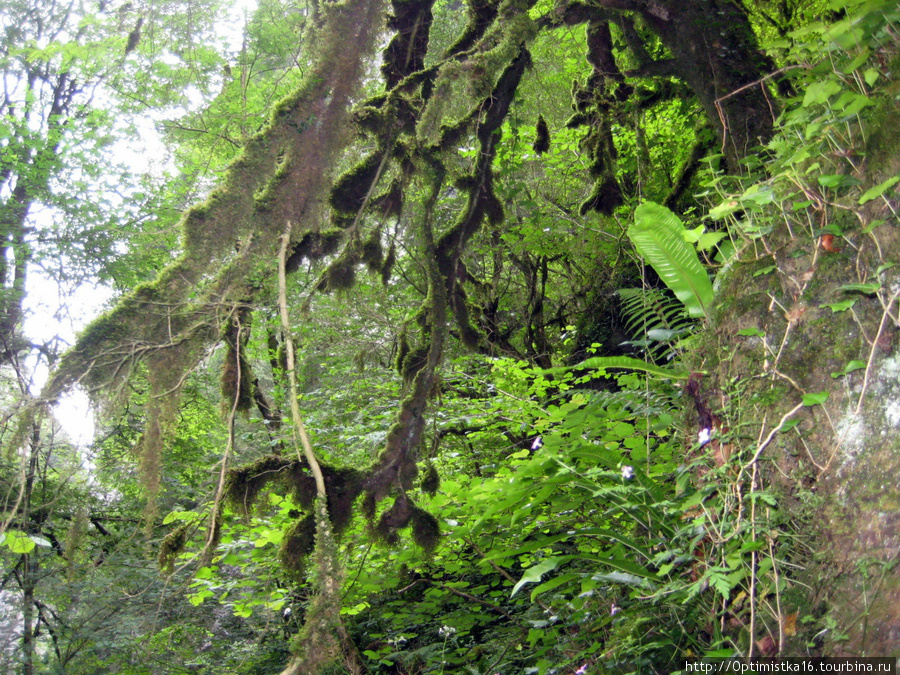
<point>799,315</point>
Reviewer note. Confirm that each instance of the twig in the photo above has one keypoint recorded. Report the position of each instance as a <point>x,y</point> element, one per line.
<point>299,428</point>
<point>771,435</point>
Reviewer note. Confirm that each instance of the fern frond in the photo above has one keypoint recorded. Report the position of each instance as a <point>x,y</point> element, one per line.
<point>653,316</point>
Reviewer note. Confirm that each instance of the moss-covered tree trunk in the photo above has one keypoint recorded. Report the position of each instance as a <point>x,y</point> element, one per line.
<point>783,331</point>
<point>714,51</point>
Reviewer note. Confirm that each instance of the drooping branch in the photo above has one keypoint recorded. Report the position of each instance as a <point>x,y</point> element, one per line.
<point>235,233</point>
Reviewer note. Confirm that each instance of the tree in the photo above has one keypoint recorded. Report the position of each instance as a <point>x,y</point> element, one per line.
<point>482,230</point>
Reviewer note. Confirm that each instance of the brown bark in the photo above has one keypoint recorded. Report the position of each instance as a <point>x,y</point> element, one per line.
<point>714,50</point>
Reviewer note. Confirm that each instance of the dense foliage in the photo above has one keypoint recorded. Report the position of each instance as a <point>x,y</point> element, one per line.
<point>458,364</point>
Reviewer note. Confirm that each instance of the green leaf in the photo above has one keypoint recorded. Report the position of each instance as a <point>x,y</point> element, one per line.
<point>871,76</point>
<point>658,235</point>
<point>534,573</point>
<point>710,239</point>
<point>878,190</point>
<point>842,306</point>
<point>626,362</point>
<point>820,92</point>
<point>553,583</point>
<point>849,368</point>
<point>815,399</point>
<point>724,209</point>
<point>622,578</point>
<point>867,288</point>
<point>18,542</point>
<point>764,270</point>
<point>751,332</point>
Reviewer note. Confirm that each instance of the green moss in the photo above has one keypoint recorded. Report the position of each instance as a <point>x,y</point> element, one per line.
<point>542,136</point>
<point>426,530</point>
<point>390,203</point>
<point>244,484</point>
<point>431,481</point>
<point>172,546</point>
<point>349,192</point>
<point>413,362</point>
<point>340,274</point>
<point>266,197</point>
<point>371,251</point>
<point>296,546</point>
<point>387,266</point>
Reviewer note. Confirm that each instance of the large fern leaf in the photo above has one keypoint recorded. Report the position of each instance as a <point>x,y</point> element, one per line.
<point>649,309</point>
<point>657,235</point>
<point>656,319</point>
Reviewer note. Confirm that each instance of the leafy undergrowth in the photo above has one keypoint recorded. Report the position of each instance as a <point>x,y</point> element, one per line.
<point>590,520</point>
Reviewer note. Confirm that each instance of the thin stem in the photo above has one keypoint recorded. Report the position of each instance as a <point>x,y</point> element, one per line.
<point>299,428</point>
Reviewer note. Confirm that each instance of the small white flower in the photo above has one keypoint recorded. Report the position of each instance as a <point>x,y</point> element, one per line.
<point>627,472</point>
<point>582,670</point>
<point>446,631</point>
<point>703,437</point>
<point>537,443</point>
<point>614,609</point>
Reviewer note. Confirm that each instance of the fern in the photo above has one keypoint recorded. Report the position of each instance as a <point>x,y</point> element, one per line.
<point>656,318</point>
<point>658,235</point>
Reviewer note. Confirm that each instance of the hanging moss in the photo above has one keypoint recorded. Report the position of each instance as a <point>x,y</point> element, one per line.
<point>298,543</point>
<point>413,362</point>
<point>493,209</point>
<point>605,196</point>
<point>390,203</point>
<point>426,530</point>
<point>237,376</point>
<point>236,373</point>
<point>342,221</point>
<point>403,350</point>
<point>395,518</point>
<point>340,274</point>
<point>371,251</point>
<point>173,545</point>
<point>542,136</point>
<point>314,246</point>
<point>431,481</point>
<point>387,267</point>
<point>350,190</point>
<point>405,54</point>
<point>244,484</point>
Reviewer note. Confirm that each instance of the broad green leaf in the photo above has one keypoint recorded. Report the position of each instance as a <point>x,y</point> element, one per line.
<point>842,306</point>
<point>724,209</point>
<point>815,399</point>
<point>820,92</point>
<point>18,542</point>
<point>622,578</point>
<point>554,583</point>
<point>657,234</point>
<point>625,362</point>
<point>866,288</point>
<point>534,573</point>
<point>849,368</point>
<point>878,190</point>
<point>710,239</point>
<point>751,332</point>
